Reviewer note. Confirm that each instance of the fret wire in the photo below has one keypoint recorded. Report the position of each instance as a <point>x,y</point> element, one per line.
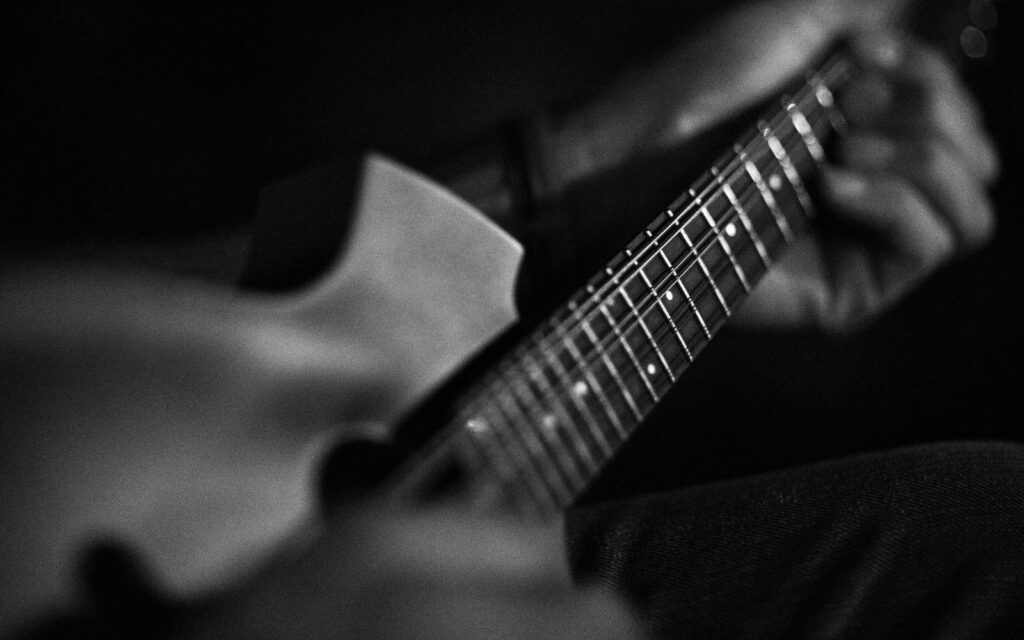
<point>534,457</point>
<point>710,271</point>
<point>581,406</point>
<point>789,171</point>
<point>647,351</point>
<point>700,249</point>
<point>821,123</point>
<point>798,152</point>
<point>725,247</point>
<point>824,97</point>
<point>806,131</point>
<point>795,161</point>
<point>625,344</point>
<point>769,199</point>
<point>502,426</point>
<point>507,463</point>
<point>826,76</point>
<point>689,301</point>
<point>592,297</point>
<point>677,333</point>
<point>707,274</point>
<point>568,383</point>
<point>675,360</point>
<point>833,70</point>
<point>479,466</point>
<point>721,269</point>
<point>746,251</point>
<point>750,201</point>
<point>535,373</point>
<point>534,427</point>
<point>647,331</point>
<point>820,126</point>
<point>799,156</point>
<point>829,69</point>
<point>741,213</point>
<point>666,336</point>
<point>611,368</point>
<point>693,253</point>
<point>594,386</point>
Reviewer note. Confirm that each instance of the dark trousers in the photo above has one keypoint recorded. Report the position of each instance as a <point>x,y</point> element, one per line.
<point>924,542</point>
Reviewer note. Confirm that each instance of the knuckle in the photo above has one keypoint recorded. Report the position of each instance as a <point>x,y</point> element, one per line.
<point>898,193</point>
<point>929,156</point>
<point>983,227</point>
<point>938,250</point>
<point>935,69</point>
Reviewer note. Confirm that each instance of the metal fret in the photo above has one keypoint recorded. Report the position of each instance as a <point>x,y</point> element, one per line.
<point>741,212</point>
<point>581,406</point>
<point>475,454</point>
<point>668,316</point>
<point>788,169</point>
<point>707,275</point>
<point>540,448</point>
<point>586,455</point>
<point>668,319</point>
<point>610,366</point>
<point>766,195</point>
<point>647,333</point>
<point>575,389</point>
<point>726,248</point>
<point>823,95</point>
<point>630,353</point>
<point>689,299</point>
<point>481,428</point>
<point>536,429</point>
<point>806,131</point>
<point>504,417</point>
<point>490,489</point>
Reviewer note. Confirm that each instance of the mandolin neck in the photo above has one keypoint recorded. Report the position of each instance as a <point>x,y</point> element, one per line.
<point>538,426</point>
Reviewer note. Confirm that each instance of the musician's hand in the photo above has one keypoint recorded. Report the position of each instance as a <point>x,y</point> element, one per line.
<point>905,193</point>
<point>431,575</point>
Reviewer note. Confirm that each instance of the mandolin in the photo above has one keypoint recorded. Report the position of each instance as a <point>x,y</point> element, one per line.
<point>208,458</point>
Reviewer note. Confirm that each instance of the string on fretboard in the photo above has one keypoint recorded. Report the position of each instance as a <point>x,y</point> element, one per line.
<point>542,423</point>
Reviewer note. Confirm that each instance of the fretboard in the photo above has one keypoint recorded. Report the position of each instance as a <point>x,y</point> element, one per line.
<point>538,426</point>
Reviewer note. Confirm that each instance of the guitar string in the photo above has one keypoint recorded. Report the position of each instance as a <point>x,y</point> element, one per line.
<point>646,303</point>
<point>506,456</point>
<point>567,461</point>
<point>527,471</point>
<point>502,387</point>
<point>649,347</point>
<point>646,348</point>
<point>823,76</point>
<point>837,66</point>
<point>540,337</point>
<point>687,259</point>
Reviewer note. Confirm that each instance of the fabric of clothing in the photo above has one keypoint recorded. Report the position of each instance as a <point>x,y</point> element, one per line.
<point>924,542</point>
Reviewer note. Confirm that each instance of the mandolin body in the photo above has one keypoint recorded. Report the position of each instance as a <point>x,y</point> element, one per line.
<point>219,405</point>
